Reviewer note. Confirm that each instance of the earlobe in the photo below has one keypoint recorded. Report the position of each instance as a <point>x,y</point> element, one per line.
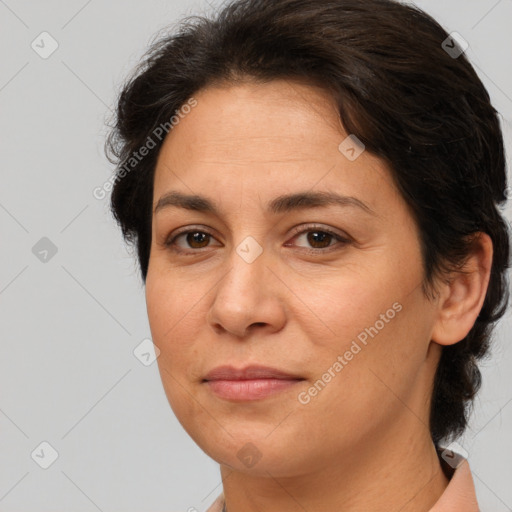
<point>463,294</point>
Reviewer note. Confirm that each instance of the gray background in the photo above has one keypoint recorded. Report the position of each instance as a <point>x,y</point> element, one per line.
<point>70,324</point>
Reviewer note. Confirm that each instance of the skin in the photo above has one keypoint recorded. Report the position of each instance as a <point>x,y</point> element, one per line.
<point>363,441</point>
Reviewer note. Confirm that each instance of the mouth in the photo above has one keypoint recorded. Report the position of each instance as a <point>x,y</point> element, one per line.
<point>250,383</point>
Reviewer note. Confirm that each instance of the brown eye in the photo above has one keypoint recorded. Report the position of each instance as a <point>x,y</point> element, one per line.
<point>319,239</point>
<point>189,241</point>
<point>196,239</point>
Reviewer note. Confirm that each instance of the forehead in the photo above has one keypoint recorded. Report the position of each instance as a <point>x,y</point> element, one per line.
<point>289,119</point>
<point>262,137</point>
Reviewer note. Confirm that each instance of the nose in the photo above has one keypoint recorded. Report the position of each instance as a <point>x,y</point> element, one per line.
<point>248,299</point>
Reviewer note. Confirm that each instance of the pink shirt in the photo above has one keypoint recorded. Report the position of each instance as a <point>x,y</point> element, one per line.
<point>459,496</point>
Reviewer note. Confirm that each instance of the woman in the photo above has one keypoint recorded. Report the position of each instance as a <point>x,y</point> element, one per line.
<point>313,191</point>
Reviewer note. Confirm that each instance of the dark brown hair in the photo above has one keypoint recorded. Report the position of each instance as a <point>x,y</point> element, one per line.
<point>421,109</point>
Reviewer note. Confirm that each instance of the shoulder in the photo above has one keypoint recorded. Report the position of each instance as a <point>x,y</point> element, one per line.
<point>460,493</point>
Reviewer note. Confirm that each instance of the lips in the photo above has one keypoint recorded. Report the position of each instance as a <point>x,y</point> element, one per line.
<point>251,372</point>
<point>250,383</point>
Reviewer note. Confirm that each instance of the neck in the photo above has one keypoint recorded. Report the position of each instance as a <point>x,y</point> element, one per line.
<point>408,477</point>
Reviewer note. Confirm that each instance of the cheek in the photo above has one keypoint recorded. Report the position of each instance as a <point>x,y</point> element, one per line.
<point>168,298</point>
<point>172,309</point>
<point>172,318</point>
<point>378,322</point>
<point>348,303</point>
<point>359,386</point>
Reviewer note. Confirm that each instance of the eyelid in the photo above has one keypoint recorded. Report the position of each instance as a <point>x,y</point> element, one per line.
<point>302,228</point>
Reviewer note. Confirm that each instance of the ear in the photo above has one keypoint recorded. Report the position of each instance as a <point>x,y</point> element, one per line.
<point>462,296</point>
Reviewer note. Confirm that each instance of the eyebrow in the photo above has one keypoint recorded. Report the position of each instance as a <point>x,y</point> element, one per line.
<point>280,204</point>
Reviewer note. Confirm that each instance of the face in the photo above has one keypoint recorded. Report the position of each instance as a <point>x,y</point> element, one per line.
<point>299,257</point>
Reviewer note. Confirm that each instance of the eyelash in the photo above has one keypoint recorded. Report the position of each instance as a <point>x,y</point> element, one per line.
<point>171,242</point>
